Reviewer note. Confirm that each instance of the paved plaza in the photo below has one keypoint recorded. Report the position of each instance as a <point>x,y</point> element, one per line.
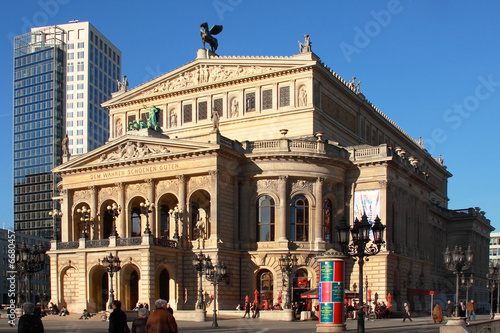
<point>73,325</point>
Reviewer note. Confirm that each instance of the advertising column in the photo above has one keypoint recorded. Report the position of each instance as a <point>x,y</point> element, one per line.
<point>331,292</point>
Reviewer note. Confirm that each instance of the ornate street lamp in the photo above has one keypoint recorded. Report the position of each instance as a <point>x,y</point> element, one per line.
<point>55,213</point>
<point>176,214</point>
<point>458,261</point>
<point>86,219</point>
<point>494,278</point>
<point>112,265</point>
<point>29,260</point>
<point>114,210</point>
<point>467,283</point>
<point>198,261</point>
<point>148,207</point>
<point>360,247</point>
<point>214,274</point>
<point>491,285</point>
<point>287,264</point>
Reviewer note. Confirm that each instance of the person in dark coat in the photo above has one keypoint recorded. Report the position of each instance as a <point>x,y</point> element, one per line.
<point>118,319</point>
<point>461,309</point>
<point>139,324</point>
<point>247,309</point>
<point>161,320</point>
<point>449,309</point>
<point>29,322</point>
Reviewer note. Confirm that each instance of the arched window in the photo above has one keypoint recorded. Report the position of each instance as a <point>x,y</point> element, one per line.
<point>107,224</point>
<point>265,286</point>
<point>136,222</point>
<point>299,219</point>
<point>327,221</point>
<point>164,285</point>
<point>265,223</point>
<point>194,219</point>
<point>164,221</point>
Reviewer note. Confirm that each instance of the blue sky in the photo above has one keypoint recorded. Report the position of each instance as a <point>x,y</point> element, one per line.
<point>431,66</point>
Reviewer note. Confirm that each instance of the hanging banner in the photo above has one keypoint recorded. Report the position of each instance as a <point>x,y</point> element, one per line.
<point>367,202</point>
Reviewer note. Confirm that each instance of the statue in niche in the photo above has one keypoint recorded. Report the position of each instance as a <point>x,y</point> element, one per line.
<point>234,108</point>
<point>215,120</point>
<point>206,35</point>
<point>173,118</point>
<point>123,84</point>
<point>306,46</point>
<point>201,224</point>
<point>302,96</point>
<point>118,128</point>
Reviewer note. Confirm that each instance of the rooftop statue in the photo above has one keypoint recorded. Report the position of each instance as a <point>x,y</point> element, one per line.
<point>154,118</point>
<point>306,46</point>
<point>206,35</point>
<point>123,84</point>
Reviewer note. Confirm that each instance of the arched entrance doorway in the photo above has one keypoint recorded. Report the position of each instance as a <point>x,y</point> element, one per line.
<point>98,289</point>
<point>265,286</point>
<point>164,285</point>
<point>130,287</point>
<point>300,284</point>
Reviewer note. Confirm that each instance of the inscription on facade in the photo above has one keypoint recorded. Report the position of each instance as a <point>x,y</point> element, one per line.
<point>135,171</point>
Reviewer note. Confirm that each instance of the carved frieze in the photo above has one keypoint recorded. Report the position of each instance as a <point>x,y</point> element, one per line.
<point>169,185</point>
<point>83,195</point>
<point>132,150</point>
<point>136,189</point>
<point>106,193</point>
<point>204,74</point>
<point>267,185</point>
<point>302,186</point>
<point>202,182</point>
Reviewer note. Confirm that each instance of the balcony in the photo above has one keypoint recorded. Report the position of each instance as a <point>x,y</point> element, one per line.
<point>118,242</point>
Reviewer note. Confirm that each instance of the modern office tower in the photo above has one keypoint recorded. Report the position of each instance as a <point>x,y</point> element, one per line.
<point>39,82</point>
<point>92,70</point>
<point>47,107</point>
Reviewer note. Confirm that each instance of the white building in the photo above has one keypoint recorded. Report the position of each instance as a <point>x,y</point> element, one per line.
<point>495,246</point>
<point>92,69</point>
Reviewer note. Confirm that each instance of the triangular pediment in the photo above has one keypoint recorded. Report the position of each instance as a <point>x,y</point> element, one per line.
<point>130,149</point>
<point>202,73</point>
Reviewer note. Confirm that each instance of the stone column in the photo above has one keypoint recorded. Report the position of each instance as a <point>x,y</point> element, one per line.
<point>67,217</point>
<point>281,220</point>
<point>151,198</point>
<point>318,217</point>
<point>121,227</point>
<point>182,205</point>
<point>245,224</point>
<point>93,213</point>
<point>214,194</point>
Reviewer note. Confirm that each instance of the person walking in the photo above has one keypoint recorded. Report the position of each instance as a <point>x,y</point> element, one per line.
<point>471,309</point>
<point>461,309</point>
<point>118,319</point>
<point>406,312</point>
<point>29,322</point>
<point>449,309</point>
<point>247,309</point>
<point>437,314</point>
<point>257,310</point>
<point>161,319</point>
<point>139,324</point>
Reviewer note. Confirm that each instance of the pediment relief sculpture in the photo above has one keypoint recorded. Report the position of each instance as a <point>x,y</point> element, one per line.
<point>133,150</point>
<point>203,74</point>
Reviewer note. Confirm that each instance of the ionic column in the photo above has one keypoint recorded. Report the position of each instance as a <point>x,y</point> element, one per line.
<point>214,186</point>
<point>318,218</point>
<point>281,227</point>
<point>93,212</point>
<point>151,198</point>
<point>121,227</point>
<point>182,204</point>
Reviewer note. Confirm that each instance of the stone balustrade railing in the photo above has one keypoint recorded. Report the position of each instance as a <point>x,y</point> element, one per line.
<point>102,243</point>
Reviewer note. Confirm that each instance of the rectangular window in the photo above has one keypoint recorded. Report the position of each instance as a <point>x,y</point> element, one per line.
<point>80,66</point>
<point>250,102</point>
<point>79,113</point>
<point>81,45</point>
<point>284,96</point>
<point>79,77</point>
<point>202,110</point>
<point>79,104</point>
<point>79,95</point>
<point>267,99</point>
<point>187,111</point>
<point>79,86</point>
<point>218,106</point>
<point>71,46</point>
<point>71,56</point>
<point>80,55</point>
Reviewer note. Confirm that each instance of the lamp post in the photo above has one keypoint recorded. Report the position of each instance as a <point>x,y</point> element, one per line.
<point>148,207</point>
<point>494,277</point>
<point>86,219</point>
<point>458,261</point>
<point>491,287</point>
<point>176,214</point>
<point>198,261</point>
<point>467,283</point>
<point>114,210</point>
<point>112,265</point>
<point>54,213</point>
<point>360,247</point>
<point>29,260</point>
<point>287,264</point>
<point>214,274</point>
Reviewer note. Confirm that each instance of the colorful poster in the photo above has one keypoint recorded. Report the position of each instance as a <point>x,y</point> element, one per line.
<point>337,292</point>
<point>326,271</point>
<point>367,202</point>
<point>326,313</point>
